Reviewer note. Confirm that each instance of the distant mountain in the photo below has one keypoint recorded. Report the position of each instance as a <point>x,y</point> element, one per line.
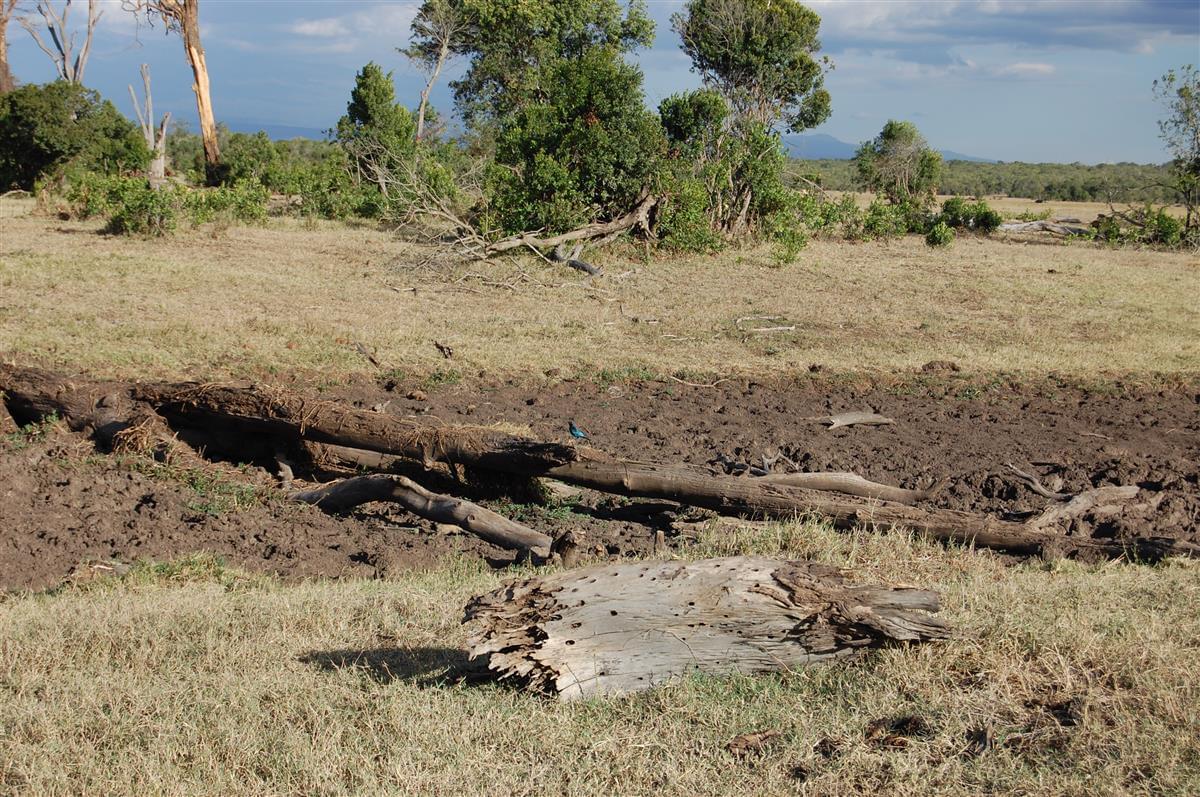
<point>277,132</point>
<point>820,146</point>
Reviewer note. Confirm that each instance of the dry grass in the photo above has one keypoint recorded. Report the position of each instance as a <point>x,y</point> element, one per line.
<point>283,297</point>
<point>193,680</point>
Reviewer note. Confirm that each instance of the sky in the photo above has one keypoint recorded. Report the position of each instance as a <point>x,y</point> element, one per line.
<point>1030,80</point>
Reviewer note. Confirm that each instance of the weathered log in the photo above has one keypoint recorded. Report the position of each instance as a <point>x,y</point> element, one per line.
<point>282,413</point>
<point>853,484</point>
<point>482,522</point>
<point>1043,226</point>
<point>620,628</point>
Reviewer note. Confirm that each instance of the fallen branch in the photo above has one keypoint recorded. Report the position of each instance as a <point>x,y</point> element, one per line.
<point>639,216</point>
<point>621,628</point>
<point>1035,484</point>
<point>480,521</point>
<point>853,484</point>
<point>1043,226</point>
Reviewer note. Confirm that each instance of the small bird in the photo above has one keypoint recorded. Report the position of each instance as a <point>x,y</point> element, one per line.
<point>576,432</point>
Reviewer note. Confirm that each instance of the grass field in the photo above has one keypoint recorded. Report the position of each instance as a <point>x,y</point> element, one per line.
<point>284,298</point>
<point>190,678</point>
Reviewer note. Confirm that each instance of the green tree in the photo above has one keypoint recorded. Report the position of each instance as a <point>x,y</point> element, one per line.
<point>437,32</point>
<point>760,54</point>
<point>587,150</point>
<point>46,129</point>
<point>899,165</point>
<point>1179,92</point>
<point>513,47</point>
<point>377,133</point>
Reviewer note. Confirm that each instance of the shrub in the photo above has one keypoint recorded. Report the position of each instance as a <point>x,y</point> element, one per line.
<point>683,222</point>
<point>883,220</point>
<point>137,209</point>
<point>957,213</point>
<point>44,130</point>
<point>940,234</point>
<point>245,202</point>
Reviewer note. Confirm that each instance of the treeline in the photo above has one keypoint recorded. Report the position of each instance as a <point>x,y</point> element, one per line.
<point>1071,182</point>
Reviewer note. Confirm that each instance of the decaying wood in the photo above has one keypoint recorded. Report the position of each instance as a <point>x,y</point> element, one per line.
<point>1086,501</point>
<point>1043,226</point>
<point>853,484</point>
<point>612,629</point>
<point>282,415</point>
<point>856,419</point>
<point>638,217</point>
<point>1035,484</point>
<point>482,522</point>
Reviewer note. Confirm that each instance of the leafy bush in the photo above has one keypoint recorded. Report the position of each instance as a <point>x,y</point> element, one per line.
<point>683,222</point>
<point>883,220</point>
<point>134,208</point>
<point>137,209</point>
<point>584,151</point>
<point>959,214</point>
<point>44,130</point>
<point>940,234</point>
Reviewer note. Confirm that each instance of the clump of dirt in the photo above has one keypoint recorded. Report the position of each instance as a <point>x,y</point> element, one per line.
<point>61,506</point>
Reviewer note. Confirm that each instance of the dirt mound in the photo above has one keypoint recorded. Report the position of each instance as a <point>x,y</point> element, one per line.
<point>61,506</point>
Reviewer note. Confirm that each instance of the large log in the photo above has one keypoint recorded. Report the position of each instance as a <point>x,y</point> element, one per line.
<point>293,417</point>
<point>620,628</point>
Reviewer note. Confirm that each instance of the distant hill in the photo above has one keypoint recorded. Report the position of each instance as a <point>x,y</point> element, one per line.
<point>820,146</point>
<point>277,132</point>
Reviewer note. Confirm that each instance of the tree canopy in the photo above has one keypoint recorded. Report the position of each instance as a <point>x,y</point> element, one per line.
<point>761,54</point>
<point>899,164</point>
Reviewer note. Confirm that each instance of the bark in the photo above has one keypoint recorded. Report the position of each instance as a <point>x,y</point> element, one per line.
<point>482,522</point>
<point>621,628</point>
<point>853,484</point>
<point>7,84</point>
<point>1043,226</point>
<point>189,24</point>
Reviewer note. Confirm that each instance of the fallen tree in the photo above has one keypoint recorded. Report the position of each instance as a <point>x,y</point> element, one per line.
<point>260,413</point>
<point>478,520</point>
<point>621,628</point>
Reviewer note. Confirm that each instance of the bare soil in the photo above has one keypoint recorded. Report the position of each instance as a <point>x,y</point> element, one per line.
<point>64,511</point>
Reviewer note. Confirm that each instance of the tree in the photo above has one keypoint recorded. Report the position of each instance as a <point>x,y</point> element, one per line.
<point>899,165</point>
<point>183,17</point>
<point>437,31</point>
<point>46,129</point>
<point>1179,92</point>
<point>7,8</point>
<point>69,61</point>
<point>156,138</point>
<point>512,47</point>
<point>587,150</point>
<point>760,54</point>
<point>377,132</point>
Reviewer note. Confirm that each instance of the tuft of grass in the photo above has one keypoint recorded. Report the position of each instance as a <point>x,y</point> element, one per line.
<point>1060,679</point>
<point>31,433</point>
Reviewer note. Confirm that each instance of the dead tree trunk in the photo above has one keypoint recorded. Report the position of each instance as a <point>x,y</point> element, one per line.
<point>482,522</point>
<point>622,628</point>
<point>156,138</point>
<point>69,62</point>
<point>7,84</point>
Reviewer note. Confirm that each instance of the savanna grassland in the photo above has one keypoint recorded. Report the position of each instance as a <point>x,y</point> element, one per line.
<point>209,670</point>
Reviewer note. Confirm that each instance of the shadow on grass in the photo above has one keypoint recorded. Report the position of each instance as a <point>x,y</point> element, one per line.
<point>420,666</point>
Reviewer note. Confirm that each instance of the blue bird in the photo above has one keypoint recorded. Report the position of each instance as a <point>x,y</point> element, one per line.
<point>576,432</point>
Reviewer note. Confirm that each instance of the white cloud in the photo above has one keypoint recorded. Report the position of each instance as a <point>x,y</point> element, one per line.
<point>1027,70</point>
<point>328,28</point>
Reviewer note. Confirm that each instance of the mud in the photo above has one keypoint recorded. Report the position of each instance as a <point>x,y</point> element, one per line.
<point>63,508</point>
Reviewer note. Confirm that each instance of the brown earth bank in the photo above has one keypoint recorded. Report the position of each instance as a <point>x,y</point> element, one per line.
<point>65,510</point>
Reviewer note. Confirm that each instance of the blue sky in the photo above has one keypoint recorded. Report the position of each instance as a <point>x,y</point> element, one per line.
<point>1034,80</point>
